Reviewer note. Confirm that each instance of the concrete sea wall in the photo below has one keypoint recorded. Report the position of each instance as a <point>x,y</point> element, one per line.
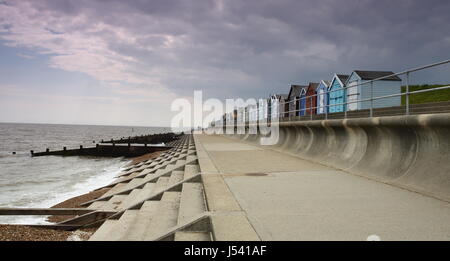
<point>412,152</point>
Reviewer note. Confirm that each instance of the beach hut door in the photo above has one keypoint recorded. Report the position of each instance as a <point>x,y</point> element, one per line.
<point>352,96</point>
<point>321,101</point>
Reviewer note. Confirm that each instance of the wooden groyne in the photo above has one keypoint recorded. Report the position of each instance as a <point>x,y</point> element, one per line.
<point>146,139</point>
<point>113,150</point>
<point>124,147</point>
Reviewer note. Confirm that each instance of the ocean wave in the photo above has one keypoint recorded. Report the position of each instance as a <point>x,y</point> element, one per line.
<point>58,192</point>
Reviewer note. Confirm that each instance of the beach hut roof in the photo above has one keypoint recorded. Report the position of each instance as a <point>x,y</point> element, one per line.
<point>279,96</point>
<point>313,86</point>
<point>297,90</point>
<point>326,83</point>
<point>371,75</point>
<point>343,77</point>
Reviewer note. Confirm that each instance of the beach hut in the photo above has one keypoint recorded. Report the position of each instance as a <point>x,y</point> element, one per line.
<point>247,113</point>
<point>269,109</point>
<point>253,112</point>
<point>322,97</point>
<point>294,101</point>
<point>310,103</point>
<point>302,102</point>
<point>337,92</point>
<point>241,115</point>
<point>262,109</point>
<point>357,90</point>
<point>277,105</point>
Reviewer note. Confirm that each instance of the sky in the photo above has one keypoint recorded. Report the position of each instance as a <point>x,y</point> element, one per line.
<point>124,62</point>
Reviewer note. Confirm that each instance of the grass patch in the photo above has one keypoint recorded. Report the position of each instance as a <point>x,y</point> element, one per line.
<point>426,97</point>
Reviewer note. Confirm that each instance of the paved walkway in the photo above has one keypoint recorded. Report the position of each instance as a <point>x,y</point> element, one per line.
<point>287,198</point>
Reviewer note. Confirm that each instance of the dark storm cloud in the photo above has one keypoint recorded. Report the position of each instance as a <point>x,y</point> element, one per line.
<point>254,48</point>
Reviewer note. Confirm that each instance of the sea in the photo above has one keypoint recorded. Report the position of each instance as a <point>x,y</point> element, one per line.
<point>41,182</point>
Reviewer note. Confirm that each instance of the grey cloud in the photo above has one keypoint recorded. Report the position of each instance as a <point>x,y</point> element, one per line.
<point>254,48</point>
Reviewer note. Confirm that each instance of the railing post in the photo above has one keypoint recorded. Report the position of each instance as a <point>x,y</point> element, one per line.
<point>407,94</point>
<point>289,109</point>
<point>310,106</point>
<point>371,99</point>
<point>345,101</point>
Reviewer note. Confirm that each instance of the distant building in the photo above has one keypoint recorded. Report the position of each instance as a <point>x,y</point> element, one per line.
<point>388,86</point>
<point>295,93</point>
<point>241,116</point>
<point>311,98</point>
<point>252,111</point>
<point>246,114</point>
<point>322,97</point>
<point>262,109</point>
<point>277,105</point>
<point>337,95</point>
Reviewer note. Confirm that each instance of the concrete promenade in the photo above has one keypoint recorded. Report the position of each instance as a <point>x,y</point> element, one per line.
<point>287,198</point>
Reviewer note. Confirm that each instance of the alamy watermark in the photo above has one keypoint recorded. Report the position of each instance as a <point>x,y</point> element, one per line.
<point>235,116</point>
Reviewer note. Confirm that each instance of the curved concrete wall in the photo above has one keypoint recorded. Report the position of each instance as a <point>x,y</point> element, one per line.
<point>412,152</point>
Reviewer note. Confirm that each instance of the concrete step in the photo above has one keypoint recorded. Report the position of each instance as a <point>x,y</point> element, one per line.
<point>132,170</point>
<point>150,176</point>
<point>192,236</point>
<point>142,221</point>
<point>161,184</point>
<point>97,205</point>
<point>128,168</point>
<point>114,203</point>
<point>192,202</point>
<point>147,191</point>
<point>180,162</point>
<point>132,175</point>
<point>191,170</point>
<point>133,183</point>
<point>139,169</point>
<point>139,164</point>
<point>124,177</point>
<point>168,167</point>
<point>175,177</point>
<point>115,189</point>
<point>124,223</point>
<point>191,157</point>
<point>145,171</point>
<point>160,170</point>
<point>104,231</point>
<point>153,164</point>
<point>131,199</point>
<point>167,215</point>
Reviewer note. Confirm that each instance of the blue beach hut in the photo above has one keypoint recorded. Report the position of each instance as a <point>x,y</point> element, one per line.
<point>337,93</point>
<point>302,105</point>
